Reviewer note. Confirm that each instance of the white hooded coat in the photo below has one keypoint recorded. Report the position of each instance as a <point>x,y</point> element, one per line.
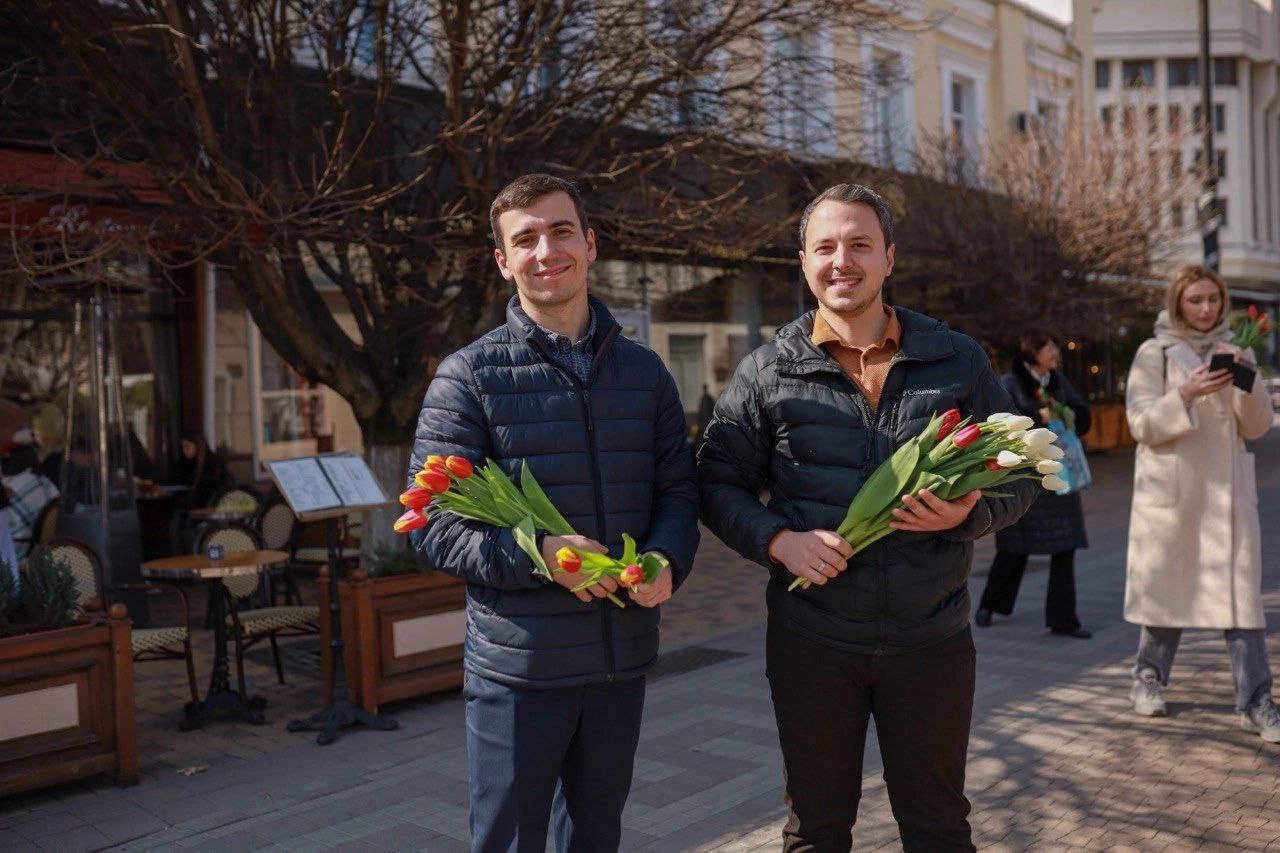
<point>1195,557</point>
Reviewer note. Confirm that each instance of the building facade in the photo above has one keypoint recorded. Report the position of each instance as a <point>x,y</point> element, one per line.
<point>1147,70</point>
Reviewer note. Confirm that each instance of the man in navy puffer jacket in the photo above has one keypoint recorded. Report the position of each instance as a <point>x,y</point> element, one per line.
<point>555,678</point>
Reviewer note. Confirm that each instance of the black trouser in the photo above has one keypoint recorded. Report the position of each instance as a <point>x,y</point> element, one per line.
<point>922,702</point>
<point>1060,602</point>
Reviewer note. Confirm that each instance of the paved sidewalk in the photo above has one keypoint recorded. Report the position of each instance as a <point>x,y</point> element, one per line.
<point>1057,759</point>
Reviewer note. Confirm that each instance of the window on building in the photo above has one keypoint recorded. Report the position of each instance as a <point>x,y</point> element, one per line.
<point>1108,115</point>
<point>1219,118</point>
<point>1128,118</point>
<point>892,125</point>
<point>1175,215</point>
<point>1197,117</point>
<point>1175,165</point>
<point>1224,71</point>
<point>1153,119</point>
<point>1175,118</point>
<point>1221,164</point>
<point>1102,74</point>
<point>1184,72</point>
<point>963,108</point>
<point>1138,73</point>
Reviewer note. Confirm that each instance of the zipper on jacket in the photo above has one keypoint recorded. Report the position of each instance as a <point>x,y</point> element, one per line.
<point>597,489</point>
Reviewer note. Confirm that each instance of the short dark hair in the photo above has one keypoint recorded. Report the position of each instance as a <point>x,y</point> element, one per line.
<point>527,189</point>
<point>1034,340</point>
<point>21,458</point>
<point>852,194</point>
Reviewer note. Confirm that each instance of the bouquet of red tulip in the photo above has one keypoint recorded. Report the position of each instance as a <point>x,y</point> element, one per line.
<point>951,458</point>
<point>1251,328</point>
<point>1059,411</point>
<point>487,495</point>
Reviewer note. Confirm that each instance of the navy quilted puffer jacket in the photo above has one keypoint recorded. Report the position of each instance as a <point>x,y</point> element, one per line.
<point>611,455</point>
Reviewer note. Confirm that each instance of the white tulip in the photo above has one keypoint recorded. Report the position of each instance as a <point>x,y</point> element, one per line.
<point>1051,452</point>
<point>1038,441</point>
<point>1053,483</point>
<point>1048,466</point>
<point>1017,422</point>
<point>998,417</point>
<point>1018,434</point>
<point>1009,459</point>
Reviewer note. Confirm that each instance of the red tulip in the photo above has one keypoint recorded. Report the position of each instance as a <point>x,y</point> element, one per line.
<point>416,497</point>
<point>568,560</point>
<point>631,576</point>
<point>459,466</point>
<point>434,462</point>
<point>411,520</point>
<point>436,481</point>
<point>967,436</point>
<point>993,465</point>
<point>950,418</point>
<point>1253,312</point>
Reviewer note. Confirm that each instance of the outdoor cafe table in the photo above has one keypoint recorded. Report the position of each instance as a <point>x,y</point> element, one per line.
<point>220,698</point>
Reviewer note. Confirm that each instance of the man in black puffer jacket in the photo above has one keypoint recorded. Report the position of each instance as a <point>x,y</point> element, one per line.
<point>807,418</point>
<point>554,678</point>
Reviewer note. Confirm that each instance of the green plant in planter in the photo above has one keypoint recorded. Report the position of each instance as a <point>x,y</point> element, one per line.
<point>49,592</point>
<point>397,559</point>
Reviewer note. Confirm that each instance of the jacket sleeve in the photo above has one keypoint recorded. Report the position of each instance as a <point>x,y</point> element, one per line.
<point>1156,413</point>
<point>733,465</point>
<point>988,395</point>
<point>1071,397</point>
<point>452,422</point>
<point>673,526</point>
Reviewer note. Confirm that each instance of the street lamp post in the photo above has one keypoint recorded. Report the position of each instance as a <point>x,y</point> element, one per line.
<point>1209,216</point>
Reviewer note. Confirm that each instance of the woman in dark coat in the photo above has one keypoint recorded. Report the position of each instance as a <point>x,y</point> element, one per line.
<point>1055,523</point>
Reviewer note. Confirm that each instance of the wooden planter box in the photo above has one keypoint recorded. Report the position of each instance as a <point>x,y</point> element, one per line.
<point>1110,430</point>
<point>66,704</point>
<point>403,635</point>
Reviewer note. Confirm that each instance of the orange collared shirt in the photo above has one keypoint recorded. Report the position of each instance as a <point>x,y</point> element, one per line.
<point>868,367</point>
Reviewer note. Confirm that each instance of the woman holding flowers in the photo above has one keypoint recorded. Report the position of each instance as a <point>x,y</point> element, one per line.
<point>1054,524</point>
<point>1194,543</point>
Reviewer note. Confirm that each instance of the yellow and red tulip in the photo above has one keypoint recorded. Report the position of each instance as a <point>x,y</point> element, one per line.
<point>435,480</point>
<point>631,576</point>
<point>459,466</point>
<point>416,497</point>
<point>433,462</point>
<point>568,560</point>
<point>411,520</point>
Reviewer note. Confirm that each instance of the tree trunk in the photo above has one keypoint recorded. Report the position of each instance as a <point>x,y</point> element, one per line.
<point>389,463</point>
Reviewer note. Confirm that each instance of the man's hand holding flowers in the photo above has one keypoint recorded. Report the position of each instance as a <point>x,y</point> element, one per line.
<point>551,545</point>
<point>925,512</point>
<point>813,555</point>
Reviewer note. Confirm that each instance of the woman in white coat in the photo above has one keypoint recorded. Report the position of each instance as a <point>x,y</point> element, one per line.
<point>1195,556</point>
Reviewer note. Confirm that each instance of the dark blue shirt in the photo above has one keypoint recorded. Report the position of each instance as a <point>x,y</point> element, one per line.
<point>575,357</point>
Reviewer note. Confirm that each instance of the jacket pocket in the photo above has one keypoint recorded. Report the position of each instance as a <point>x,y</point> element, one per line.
<point>1246,478</point>
<point>1155,478</point>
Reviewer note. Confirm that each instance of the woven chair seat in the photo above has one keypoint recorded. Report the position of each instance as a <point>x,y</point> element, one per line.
<point>263,620</point>
<point>151,639</point>
<point>321,555</point>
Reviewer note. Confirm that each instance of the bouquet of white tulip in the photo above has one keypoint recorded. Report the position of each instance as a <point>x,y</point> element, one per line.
<point>951,458</point>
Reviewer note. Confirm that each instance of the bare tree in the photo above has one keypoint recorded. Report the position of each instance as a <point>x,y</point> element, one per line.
<point>1058,227</point>
<point>356,145</point>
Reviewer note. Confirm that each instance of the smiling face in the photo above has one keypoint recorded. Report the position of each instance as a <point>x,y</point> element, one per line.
<point>845,260</point>
<point>545,252</point>
<point>1201,305</point>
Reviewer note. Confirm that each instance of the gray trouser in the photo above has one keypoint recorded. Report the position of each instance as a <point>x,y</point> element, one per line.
<point>1247,647</point>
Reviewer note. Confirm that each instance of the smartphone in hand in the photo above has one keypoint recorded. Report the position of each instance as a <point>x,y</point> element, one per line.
<point>1242,374</point>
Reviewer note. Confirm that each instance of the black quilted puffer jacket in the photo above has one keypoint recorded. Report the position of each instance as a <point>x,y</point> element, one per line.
<point>793,424</point>
<point>611,454</point>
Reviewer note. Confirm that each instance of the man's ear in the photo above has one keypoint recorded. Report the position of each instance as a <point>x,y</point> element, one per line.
<point>591,245</point>
<point>502,265</point>
<point>889,253</point>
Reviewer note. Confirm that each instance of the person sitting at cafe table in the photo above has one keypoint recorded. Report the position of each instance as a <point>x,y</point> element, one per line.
<point>200,469</point>
<point>27,492</point>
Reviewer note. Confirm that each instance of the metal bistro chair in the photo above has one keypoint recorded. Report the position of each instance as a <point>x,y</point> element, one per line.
<point>276,525</point>
<point>169,643</point>
<point>311,559</point>
<point>250,625</point>
<point>237,496</point>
